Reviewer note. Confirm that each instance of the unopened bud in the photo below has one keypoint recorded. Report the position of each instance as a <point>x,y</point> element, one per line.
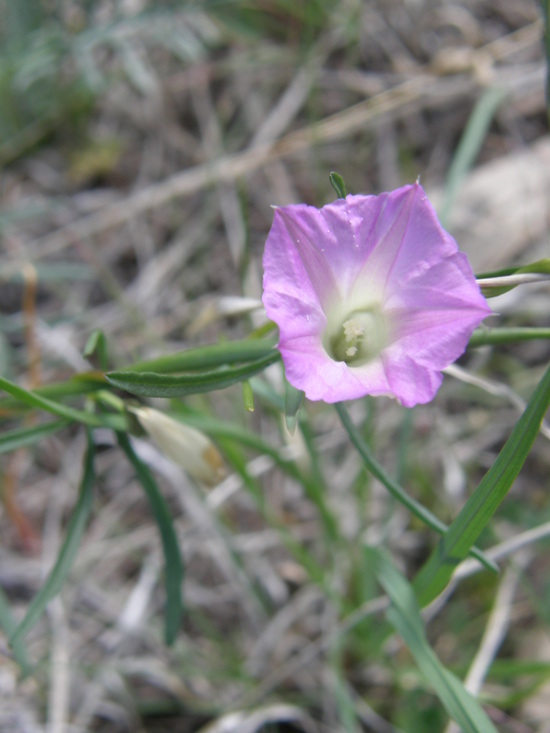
<point>186,446</point>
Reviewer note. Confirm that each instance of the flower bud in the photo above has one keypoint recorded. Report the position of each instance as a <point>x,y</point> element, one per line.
<point>186,446</point>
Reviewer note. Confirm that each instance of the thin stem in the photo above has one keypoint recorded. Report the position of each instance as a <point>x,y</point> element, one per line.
<point>486,336</point>
<point>393,487</point>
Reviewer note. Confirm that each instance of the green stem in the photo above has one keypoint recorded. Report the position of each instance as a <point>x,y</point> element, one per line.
<point>32,399</point>
<point>483,336</point>
<point>395,490</point>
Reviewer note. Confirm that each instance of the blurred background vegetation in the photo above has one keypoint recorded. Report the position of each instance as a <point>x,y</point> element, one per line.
<point>142,145</point>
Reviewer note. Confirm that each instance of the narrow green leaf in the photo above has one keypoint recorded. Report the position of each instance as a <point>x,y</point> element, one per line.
<point>345,703</point>
<point>97,344</point>
<point>206,357</point>
<point>539,267</point>
<point>502,281</point>
<point>65,559</point>
<point>32,399</point>
<point>150,384</point>
<point>405,617</point>
<point>248,397</point>
<point>470,145</point>
<point>486,336</point>
<point>338,184</point>
<point>293,402</point>
<point>173,565</point>
<point>483,503</point>
<point>77,386</point>
<point>27,436</point>
<point>395,490</point>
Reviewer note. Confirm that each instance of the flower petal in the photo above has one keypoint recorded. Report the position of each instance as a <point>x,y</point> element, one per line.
<point>383,260</point>
<point>412,383</point>
<point>308,367</point>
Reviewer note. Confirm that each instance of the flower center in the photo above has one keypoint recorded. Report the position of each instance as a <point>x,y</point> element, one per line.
<point>359,338</point>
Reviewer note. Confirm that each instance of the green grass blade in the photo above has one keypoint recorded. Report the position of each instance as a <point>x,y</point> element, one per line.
<point>173,565</point>
<point>480,507</point>
<point>27,436</point>
<point>470,145</point>
<point>405,617</point>
<point>65,559</point>
<point>151,384</point>
<point>206,357</point>
<point>32,399</point>
<point>395,490</point>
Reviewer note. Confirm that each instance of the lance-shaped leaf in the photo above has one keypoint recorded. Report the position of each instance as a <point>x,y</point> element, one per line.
<point>173,564</point>
<point>150,384</point>
<point>483,503</point>
<point>65,559</point>
<point>21,437</point>
<point>405,617</point>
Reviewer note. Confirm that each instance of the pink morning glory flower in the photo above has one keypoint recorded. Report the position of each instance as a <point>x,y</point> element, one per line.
<point>371,296</point>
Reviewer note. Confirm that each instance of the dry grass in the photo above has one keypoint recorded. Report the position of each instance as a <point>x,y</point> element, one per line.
<point>141,222</point>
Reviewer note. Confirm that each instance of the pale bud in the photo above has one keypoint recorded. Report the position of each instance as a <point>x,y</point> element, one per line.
<point>186,446</point>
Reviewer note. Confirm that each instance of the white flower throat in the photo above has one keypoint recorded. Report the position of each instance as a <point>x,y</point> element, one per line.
<point>359,338</point>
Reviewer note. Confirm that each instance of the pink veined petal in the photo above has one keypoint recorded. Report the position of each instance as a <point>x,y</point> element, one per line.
<point>412,383</point>
<point>425,243</point>
<point>433,340</point>
<point>326,235</point>
<point>408,239</point>
<point>308,367</point>
<point>290,295</point>
<point>449,282</point>
<point>302,318</point>
<point>386,234</point>
<point>437,311</point>
<point>295,248</point>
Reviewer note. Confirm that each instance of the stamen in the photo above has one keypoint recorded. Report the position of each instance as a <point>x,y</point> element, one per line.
<point>359,338</point>
<point>352,329</point>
